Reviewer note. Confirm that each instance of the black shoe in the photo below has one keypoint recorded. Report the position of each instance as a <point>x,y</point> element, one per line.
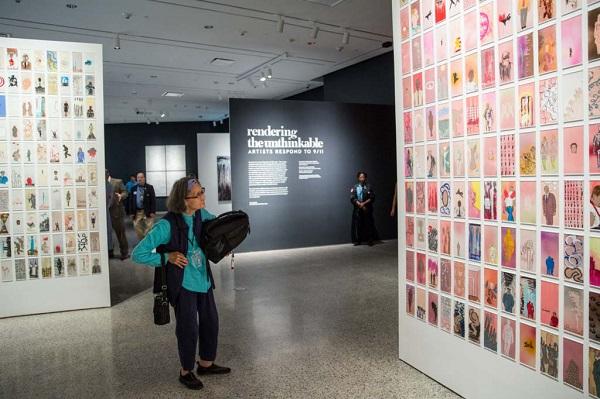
<point>123,257</point>
<point>213,369</point>
<point>111,255</point>
<point>190,381</point>
<point>356,244</point>
<point>371,243</point>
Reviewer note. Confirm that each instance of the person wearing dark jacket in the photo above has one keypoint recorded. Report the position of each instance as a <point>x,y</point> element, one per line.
<point>190,283</point>
<point>362,198</point>
<point>142,206</point>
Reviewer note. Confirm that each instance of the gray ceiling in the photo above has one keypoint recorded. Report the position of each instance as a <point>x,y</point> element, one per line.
<point>168,45</point>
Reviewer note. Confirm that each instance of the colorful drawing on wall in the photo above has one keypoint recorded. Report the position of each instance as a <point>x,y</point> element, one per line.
<point>406,66</point>
<point>527,158</point>
<point>455,36</point>
<point>445,313</point>
<point>490,286</point>
<point>458,158</point>
<point>572,97</point>
<point>549,203</point>
<point>459,243</point>
<point>508,337</point>
<point>446,276</point>
<point>420,196</point>
<point>410,266</point>
<point>409,196</point>
<point>549,354</point>
<point>490,200</point>
<point>504,19</point>
<point>459,319</point>
<point>528,252</point>
<point>458,200</point>
<point>594,92</point>
<point>525,12</point>
<point>548,95</point>
<point>571,47</point>
<point>475,242</point>
<point>444,159</point>
<point>507,109</point>
<point>404,24</point>
<point>525,56</point>
<point>421,268</point>
<point>549,304</point>
<point>509,247</point>
<point>474,154</point>
<point>427,17</point>
<point>432,272</point>
<point>470,22</point>
<point>421,304</point>
<point>549,151</point>
<point>528,200</point>
<point>442,80</point>
<point>508,292</point>
<point>432,312</point>
<point>441,44</point>
<point>417,93</point>
<point>573,363</point>
<point>573,310</point>
<point>443,121</point>
<point>490,331</point>
<point>486,24</point>
<point>408,128</point>
<point>594,148</point>
<point>459,279</point>
<point>410,299</point>
<point>474,199</point>
<point>445,198</point>
<point>458,118</point>
<point>527,345</point>
<point>471,74</point>
<point>595,205</point>
<point>509,201</point>
<point>573,150</point>
<point>472,111</point>
<point>573,203</point>
<point>432,163</point>
<point>572,5</point>
<point>546,10</point>
<point>430,95</point>
<point>573,256</point>
<point>549,253</point>
<point>406,92</point>
<point>488,112</point>
<point>490,145</point>
<point>528,297</point>
<point>526,105</point>
<point>474,284</point>
<point>593,366</point>
<point>410,232</point>
<point>432,236</point>
<point>593,34</point>
<point>490,252</point>
<point>506,62</point>
<point>440,11</point>
<point>547,49</point>
<point>419,125</point>
<point>594,316</point>
<point>594,261</point>
<point>474,325</point>
<point>507,155</point>
<point>456,77</point>
<point>415,17</point>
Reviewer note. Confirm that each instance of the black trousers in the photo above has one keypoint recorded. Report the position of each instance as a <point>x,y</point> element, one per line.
<point>197,327</point>
<point>363,225</point>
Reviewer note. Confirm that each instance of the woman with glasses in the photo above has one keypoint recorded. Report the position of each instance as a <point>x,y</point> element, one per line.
<point>176,239</point>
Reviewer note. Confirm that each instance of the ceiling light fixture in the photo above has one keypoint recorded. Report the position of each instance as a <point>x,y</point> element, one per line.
<point>127,15</point>
<point>157,122</point>
<point>269,73</point>
<point>262,76</point>
<point>250,82</point>
<point>162,114</point>
<point>214,123</point>
<point>346,37</point>
<point>280,23</point>
<point>172,94</point>
<point>71,5</point>
<point>117,42</point>
<point>208,26</point>
<point>315,31</point>
<point>147,121</point>
<point>220,97</point>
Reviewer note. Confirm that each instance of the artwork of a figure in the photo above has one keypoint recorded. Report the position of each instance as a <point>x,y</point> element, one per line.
<point>508,337</point>
<point>597,34</point>
<point>549,206</point>
<point>509,197</point>
<point>596,147</point>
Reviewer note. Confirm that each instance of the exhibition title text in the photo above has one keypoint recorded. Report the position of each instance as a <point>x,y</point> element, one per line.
<point>282,140</point>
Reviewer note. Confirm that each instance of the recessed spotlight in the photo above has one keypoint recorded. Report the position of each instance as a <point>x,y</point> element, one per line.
<point>269,73</point>
<point>117,42</point>
<point>292,40</point>
<point>243,32</point>
<point>127,15</point>
<point>262,77</point>
<point>71,5</point>
<point>280,24</point>
<point>153,76</point>
<point>214,123</point>
<point>172,94</point>
<point>315,31</point>
<point>231,83</point>
<point>162,114</point>
<point>157,122</point>
<point>346,37</point>
<point>339,48</point>
<point>208,27</point>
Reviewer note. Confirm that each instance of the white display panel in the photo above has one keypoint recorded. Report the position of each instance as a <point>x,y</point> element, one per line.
<point>52,194</point>
<point>164,165</point>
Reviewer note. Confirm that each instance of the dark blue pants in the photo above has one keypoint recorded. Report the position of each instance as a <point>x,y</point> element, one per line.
<point>197,326</point>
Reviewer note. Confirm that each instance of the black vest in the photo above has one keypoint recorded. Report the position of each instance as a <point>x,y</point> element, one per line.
<point>178,243</point>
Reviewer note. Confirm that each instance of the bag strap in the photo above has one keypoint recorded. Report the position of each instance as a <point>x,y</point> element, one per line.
<point>163,275</point>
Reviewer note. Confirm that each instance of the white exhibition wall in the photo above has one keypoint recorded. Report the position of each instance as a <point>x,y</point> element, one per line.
<point>212,146</point>
<point>498,141</point>
<point>52,190</point>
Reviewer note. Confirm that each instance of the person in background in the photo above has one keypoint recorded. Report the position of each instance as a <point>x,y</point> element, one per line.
<point>132,182</point>
<point>117,215</point>
<point>142,206</point>
<point>362,197</point>
<point>109,201</point>
<point>176,239</point>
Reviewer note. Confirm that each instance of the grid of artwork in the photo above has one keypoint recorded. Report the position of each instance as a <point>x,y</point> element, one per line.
<point>49,177</point>
<point>501,120</point>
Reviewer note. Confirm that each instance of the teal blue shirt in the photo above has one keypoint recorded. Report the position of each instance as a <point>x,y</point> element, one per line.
<point>195,276</point>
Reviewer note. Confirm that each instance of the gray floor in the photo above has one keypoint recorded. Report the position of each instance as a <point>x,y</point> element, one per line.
<point>310,323</point>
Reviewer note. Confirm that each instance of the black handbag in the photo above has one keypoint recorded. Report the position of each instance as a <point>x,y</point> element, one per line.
<point>162,313</point>
<point>223,234</point>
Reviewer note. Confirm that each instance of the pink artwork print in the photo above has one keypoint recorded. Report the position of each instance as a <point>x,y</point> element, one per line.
<point>594,261</point>
<point>490,200</point>
<point>433,307</point>
<point>406,58</point>
<point>507,109</point>
<point>408,128</point>
<point>441,43</point>
<point>406,93</point>
<point>525,55</point>
<point>504,20</point>
<point>421,269</point>
<point>547,49</point>
<point>594,148</point>
<point>490,158</point>
<point>571,42</point>
<point>486,24</point>
<point>410,232</point>
<point>550,304</point>
<point>440,11</point>
<point>509,200</point>
<point>404,24</point>
<point>488,68</point>
<point>459,279</point>
<point>458,123</point>
<point>417,52</point>
<point>506,63</point>
<point>430,125</point>
<point>456,78</point>
<point>429,86</point>
<point>548,101</point>
<point>442,81</point>
<point>470,21</point>
<point>573,200</point>
<point>509,247</point>
<point>528,201</point>
<point>410,266</point>
<point>573,150</point>
<point>549,256</point>
<point>472,108</point>
<point>490,252</point>
<point>507,155</point>
<point>428,48</point>
<point>526,105</point>
<point>488,112</point>
<point>418,89</point>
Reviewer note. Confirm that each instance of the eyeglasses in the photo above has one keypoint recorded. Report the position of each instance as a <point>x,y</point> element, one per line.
<point>200,194</point>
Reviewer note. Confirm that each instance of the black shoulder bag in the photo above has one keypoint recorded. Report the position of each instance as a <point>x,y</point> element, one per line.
<point>162,313</point>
